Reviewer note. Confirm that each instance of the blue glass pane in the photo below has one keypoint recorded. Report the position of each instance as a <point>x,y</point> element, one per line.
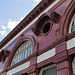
<point>24,54</point>
<point>30,51</point>
<point>27,52</point>
<point>23,47</point>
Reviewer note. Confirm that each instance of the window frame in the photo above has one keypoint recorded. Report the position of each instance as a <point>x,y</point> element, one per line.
<point>28,49</point>
<point>70,27</point>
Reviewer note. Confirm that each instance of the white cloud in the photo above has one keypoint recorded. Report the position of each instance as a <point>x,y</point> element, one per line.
<point>21,18</point>
<point>3,32</point>
<point>37,0</point>
<point>3,27</point>
<point>12,24</point>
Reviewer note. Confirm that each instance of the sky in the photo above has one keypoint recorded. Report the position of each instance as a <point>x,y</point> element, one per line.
<point>12,12</point>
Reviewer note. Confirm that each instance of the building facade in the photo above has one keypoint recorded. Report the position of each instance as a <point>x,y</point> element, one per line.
<point>43,43</point>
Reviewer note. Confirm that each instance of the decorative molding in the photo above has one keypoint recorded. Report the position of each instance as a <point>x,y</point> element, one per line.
<point>54,16</point>
<point>61,47</point>
<point>71,51</point>
<point>44,19</point>
<point>3,55</point>
<point>61,56</point>
<point>40,23</point>
<point>67,18</point>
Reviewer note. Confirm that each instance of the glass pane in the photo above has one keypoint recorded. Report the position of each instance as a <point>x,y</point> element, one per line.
<point>23,51</point>
<point>72,24</point>
<point>51,71</point>
<point>27,52</point>
<point>23,46</point>
<point>73,29</point>
<point>30,51</point>
<point>24,54</point>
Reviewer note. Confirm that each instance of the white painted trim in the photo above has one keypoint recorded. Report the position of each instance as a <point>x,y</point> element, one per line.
<point>55,2</point>
<point>19,68</point>
<point>51,66</point>
<point>46,55</point>
<point>72,19</point>
<point>71,43</point>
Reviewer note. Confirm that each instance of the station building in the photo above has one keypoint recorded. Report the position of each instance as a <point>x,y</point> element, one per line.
<point>43,43</point>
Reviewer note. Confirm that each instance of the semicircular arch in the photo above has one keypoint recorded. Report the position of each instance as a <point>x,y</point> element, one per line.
<point>17,45</point>
<point>66,19</point>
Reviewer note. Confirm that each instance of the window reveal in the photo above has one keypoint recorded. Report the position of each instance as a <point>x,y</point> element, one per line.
<point>46,28</point>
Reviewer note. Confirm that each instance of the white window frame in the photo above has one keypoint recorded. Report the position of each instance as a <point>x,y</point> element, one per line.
<point>72,19</point>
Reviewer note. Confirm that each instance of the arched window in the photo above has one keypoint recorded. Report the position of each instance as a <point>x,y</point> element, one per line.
<point>23,52</point>
<point>72,24</point>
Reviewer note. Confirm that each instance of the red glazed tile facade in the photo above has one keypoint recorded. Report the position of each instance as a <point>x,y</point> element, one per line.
<point>59,17</point>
